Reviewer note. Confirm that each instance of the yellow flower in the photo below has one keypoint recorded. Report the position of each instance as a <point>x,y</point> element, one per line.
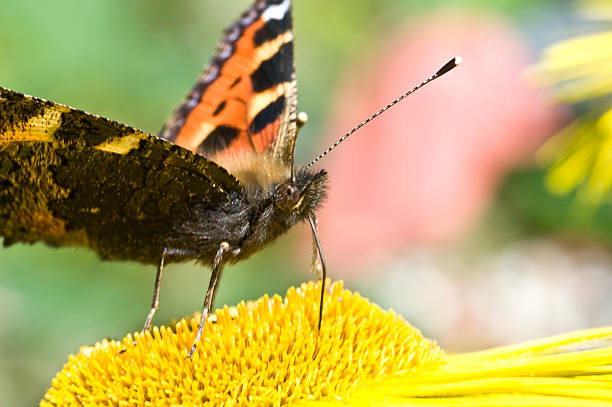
<point>580,69</point>
<point>269,353</point>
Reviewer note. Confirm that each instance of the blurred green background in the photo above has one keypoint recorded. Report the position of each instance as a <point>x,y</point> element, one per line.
<point>132,61</point>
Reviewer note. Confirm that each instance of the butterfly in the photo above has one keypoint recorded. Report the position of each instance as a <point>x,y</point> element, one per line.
<point>218,184</point>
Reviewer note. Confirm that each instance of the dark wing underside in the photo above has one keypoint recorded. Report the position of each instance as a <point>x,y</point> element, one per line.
<point>245,101</point>
<point>71,178</point>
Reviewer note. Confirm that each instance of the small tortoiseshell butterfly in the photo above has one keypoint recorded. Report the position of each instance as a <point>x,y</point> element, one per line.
<point>217,185</point>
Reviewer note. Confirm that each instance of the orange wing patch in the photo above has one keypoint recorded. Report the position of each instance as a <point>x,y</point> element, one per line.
<point>242,101</point>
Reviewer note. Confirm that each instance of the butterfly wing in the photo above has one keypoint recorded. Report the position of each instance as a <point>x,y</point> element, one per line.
<point>72,178</point>
<point>245,101</point>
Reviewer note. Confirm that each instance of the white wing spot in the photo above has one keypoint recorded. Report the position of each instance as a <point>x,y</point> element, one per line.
<point>226,52</point>
<point>277,11</point>
<point>193,102</point>
<point>249,18</point>
<point>211,74</point>
<point>234,34</point>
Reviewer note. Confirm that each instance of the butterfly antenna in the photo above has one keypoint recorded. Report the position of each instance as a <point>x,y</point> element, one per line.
<point>446,68</point>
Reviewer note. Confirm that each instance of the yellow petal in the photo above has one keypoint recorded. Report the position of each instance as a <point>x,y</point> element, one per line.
<point>579,68</point>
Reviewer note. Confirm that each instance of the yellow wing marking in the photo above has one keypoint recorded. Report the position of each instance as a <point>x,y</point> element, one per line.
<point>38,128</point>
<point>121,145</point>
<point>261,100</point>
<point>269,48</point>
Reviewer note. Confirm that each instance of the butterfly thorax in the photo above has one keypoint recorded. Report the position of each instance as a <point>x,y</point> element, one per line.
<point>256,172</point>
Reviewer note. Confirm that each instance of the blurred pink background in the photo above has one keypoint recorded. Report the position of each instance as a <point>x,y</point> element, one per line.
<point>424,172</point>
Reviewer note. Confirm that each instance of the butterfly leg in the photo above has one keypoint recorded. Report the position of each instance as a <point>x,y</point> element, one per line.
<point>209,299</point>
<point>156,287</point>
<point>315,266</point>
<point>315,236</point>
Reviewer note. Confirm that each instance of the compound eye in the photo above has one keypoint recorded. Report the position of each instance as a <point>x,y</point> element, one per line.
<point>290,192</point>
<point>290,195</point>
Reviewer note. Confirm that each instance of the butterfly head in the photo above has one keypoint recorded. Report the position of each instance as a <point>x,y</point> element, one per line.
<point>300,195</point>
<point>278,207</point>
